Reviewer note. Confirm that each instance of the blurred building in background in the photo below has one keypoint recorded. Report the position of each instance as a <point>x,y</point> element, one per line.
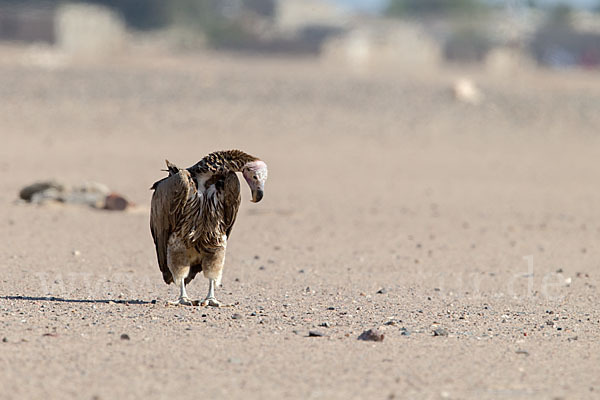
<point>409,34</point>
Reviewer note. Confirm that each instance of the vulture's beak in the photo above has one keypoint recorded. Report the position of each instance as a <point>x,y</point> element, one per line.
<point>257,195</point>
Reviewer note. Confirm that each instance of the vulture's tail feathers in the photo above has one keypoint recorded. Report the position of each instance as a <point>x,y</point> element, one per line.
<point>172,169</point>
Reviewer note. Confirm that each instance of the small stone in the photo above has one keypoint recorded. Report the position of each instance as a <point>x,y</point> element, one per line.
<point>315,334</point>
<point>522,352</point>
<point>262,267</point>
<point>404,332</point>
<point>382,291</point>
<point>4,340</point>
<point>439,331</point>
<point>125,337</point>
<point>153,301</point>
<point>236,316</point>
<point>373,335</point>
<point>325,324</point>
<point>76,253</point>
<point>115,202</point>
<point>331,308</point>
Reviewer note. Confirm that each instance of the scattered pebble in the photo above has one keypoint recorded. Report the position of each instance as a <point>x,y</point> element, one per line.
<point>125,337</point>
<point>382,291</point>
<point>236,316</point>
<point>439,331</point>
<point>373,335</point>
<point>404,331</point>
<point>523,352</point>
<point>325,324</point>
<point>315,334</point>
<point>4,340</point>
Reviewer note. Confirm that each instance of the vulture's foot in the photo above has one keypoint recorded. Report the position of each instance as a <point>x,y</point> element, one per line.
<point>184,301</point>
<point>213,302</point>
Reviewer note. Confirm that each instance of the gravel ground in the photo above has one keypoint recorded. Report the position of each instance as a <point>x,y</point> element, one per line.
<point>466,236</point>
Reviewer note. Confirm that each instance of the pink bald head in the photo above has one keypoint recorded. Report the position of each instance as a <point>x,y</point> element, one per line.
<point>255,173</point>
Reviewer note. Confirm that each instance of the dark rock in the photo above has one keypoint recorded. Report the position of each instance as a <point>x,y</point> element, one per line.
<point>115,202</point>
<point>373,335</point>
<point>153,302</point>
<point>522,352</point>
<point>382,291</point>
<point>28,192</point>
<point>404,332</point>
<point>125,337</point>
<point>236,316</point>
<point>315,334</point>
<point>4,340</point>
<point>325,324</point>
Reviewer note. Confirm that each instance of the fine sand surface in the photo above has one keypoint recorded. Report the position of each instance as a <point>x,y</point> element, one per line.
<point>389,204</point>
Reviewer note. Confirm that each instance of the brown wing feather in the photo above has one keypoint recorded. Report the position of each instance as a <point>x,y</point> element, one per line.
<point>168,209</point>
<point>231,201</point>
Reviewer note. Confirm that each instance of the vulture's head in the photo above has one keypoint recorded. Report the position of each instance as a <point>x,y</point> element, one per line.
<point>255,173</point>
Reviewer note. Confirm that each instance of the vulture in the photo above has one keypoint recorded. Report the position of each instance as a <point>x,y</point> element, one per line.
<point>192,213</point>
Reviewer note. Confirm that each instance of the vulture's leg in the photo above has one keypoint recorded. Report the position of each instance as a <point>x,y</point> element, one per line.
<point>183,297</point>
<point>212,267</point>
<point>210,299</point>
<point>178,263</point>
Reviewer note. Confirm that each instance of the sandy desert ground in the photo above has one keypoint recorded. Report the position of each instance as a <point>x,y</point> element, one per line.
<point>389,204</point>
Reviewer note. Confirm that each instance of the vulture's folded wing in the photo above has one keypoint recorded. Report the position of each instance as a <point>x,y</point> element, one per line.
<point>231,201</point>
<point>170,204</point>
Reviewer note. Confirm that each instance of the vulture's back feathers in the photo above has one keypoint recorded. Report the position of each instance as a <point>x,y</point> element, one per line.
<point>171,201</point>
<point>201,219</point>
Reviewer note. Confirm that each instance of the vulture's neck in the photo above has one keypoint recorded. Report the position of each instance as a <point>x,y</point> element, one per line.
<point>221,162</point>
